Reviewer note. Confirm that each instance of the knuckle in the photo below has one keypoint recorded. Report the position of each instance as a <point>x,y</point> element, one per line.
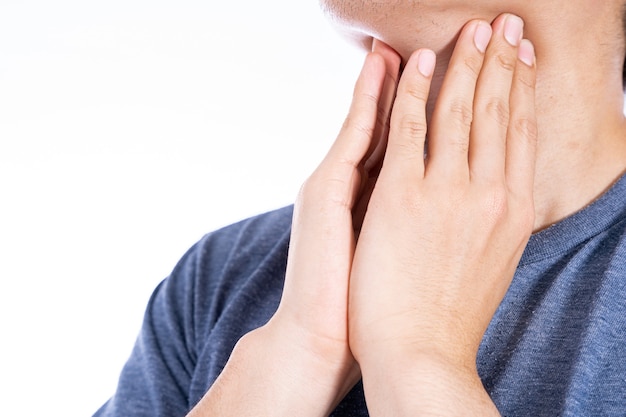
<point>460,144</point>
<point>506,61</point>
<point>370,99</point>
<point>308,189</point>
<point>498,110</point>
<point>304,195</point>
<point>415,93</point>
<point>473,64</point>
<point>352,123</point>
<point>321,192</point>
<point>526,128</point>
<point>462,112</point>
<point>526,80</point>
<point>412,126</point>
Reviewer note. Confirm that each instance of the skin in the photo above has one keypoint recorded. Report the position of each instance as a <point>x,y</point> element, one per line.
<point>427,199</point>
<point>579,96</point>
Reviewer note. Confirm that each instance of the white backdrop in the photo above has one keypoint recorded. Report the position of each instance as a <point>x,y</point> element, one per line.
<point>128,129</point>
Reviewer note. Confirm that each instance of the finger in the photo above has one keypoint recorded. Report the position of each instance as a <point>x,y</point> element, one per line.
<point>522,133</point>
<point>379,142</point>
<point>491,102</point>
<point>340,166</point>
<point>405,150</point>
<point>322,220</point>
<point>373,160</point>
<point>448,138</point>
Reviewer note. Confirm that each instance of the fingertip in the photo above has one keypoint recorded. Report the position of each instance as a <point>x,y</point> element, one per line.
<point>377,44</point>
<point>526,53</point>
<point>384,49</point>
<point>426,60</point>
<point>513,30</point>
<point>391,57</point>
<point>482,35</point>
<point>373,69</point>
<point>376,58</point>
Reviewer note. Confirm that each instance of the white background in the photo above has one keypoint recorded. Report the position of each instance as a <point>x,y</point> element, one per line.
<point>128,129</point>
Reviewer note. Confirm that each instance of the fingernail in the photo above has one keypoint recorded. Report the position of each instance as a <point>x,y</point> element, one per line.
<point>513,28</point>
<point>426,62</point>
<point>482,36</point>
<point>526,52</point>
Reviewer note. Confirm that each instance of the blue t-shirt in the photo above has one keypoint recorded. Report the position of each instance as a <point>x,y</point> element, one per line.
<point>555,347</point>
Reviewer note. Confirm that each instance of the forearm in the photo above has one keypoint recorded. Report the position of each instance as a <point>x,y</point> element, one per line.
<point>266,377</point>
<point>424,387</point>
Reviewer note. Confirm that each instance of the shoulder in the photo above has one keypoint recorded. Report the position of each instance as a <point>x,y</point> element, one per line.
<point>234,267</point>
<point>248,235</point>
<point>243,245</point>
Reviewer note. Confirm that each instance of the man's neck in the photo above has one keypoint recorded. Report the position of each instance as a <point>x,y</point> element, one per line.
<point>581,148</point>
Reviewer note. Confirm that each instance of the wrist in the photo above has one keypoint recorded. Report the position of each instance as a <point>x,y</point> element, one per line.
<point>424,384</point>
<point>271,376</point>
<point>310,377</point>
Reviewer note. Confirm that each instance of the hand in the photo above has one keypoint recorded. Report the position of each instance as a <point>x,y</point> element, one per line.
<point>304,346</point>
<point>443,234</point>
<point>311,323</point>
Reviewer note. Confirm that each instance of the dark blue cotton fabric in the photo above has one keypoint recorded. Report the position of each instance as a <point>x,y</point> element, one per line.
<point>556,346</point>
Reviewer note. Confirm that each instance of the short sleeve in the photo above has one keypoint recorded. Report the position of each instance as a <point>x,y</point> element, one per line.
<point>227,284</point>
<point>155,380</point>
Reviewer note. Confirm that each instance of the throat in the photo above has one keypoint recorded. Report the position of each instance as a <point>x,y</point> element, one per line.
<point>572,173</point>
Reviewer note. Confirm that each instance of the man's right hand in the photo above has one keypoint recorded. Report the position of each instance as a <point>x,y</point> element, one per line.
<point>300,362</point>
